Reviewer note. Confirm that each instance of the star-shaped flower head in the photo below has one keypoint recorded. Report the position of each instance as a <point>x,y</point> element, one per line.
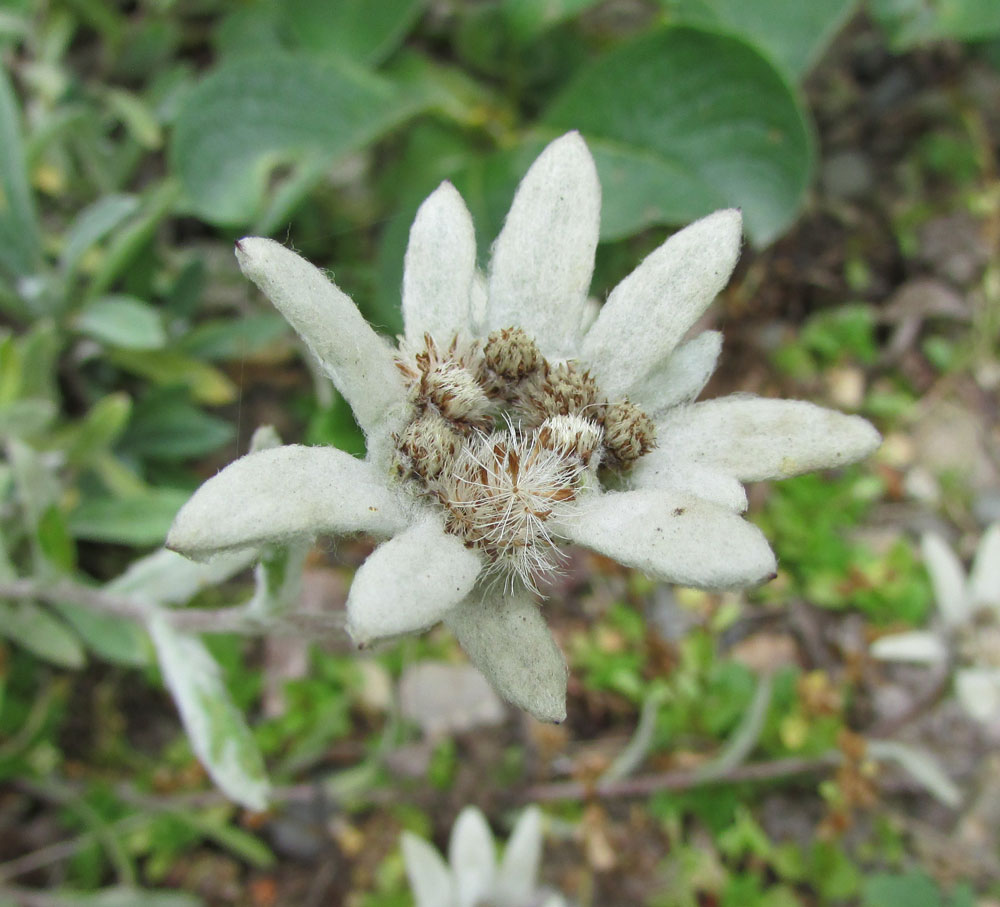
<point>968,610</point>
<point>472,877</point>
<point>505,424</point>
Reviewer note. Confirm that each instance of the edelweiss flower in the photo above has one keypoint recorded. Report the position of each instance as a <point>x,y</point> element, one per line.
<point>497,429</point>
<point>473,879</point>
<point>969,624</point>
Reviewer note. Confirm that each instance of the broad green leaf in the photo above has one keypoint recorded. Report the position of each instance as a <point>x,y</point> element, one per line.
<point>794,33</point>
<point>126,244</point>
<point>40,349</point>
<point>138,520</point>
<point>24,418</point>
<point>250,114</point>
<point>122,321</point>
<point>137,118</point>
<point>55,543</point>
<point>20,241</point>
<point>94,223</point>
<point>218,733</point>
<point>692,107</point>
<point>910,22</point>
<point>914,889</point>
<point>527,19</point>
<point>363,30</point>
<point>233,338</point>
<point>37,487</point>
<point>112,638</point>
<point>97,431</point>
<point>41,633</point>
<point>167,426</point>
<point>167,368</point>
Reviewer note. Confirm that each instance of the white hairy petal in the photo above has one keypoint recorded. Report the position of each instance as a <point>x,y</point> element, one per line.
<point>917,646</point>
<point>519,867</point>
<point>543,259</point>
<point>660,469</point>
<point>984,580</point>
<point>506,637</point>
<point>649,312</point>
<point>472,858</point>
<point>753,439</point>
<point>429,875</point>
<point>978,691</point>
<point>948,579</point>
<point>673,537</point>
<point>410,582</point>
<point>440,267</point>
<point>286,493</point>
<point>681,378</point>
<point>356,358</point>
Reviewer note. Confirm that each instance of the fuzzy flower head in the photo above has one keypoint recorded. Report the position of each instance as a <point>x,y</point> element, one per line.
<point>507,423</point>
<point>471,877</point>
<point>968,630</point>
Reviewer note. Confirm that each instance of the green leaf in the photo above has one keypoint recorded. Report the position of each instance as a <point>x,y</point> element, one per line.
<point>112,638</point>
<point>363,30</point>
<point>20,240</point>
<point>94,223</point>
<point>166,426</point>
<point>41,633</point>
<point>54,541</point>
<point>167,368</point>
<point>219,736</point>
<point>122,321</point>
<point>97,431</point>
<point>233,338</point>
<point>910,22</point>
<point>794,33</point>
<point>913,889</point>
<point>688,105</point>
<point>137,520</point>
<point>24,418</point>
<point>527,19</point>
<point>250,114</point>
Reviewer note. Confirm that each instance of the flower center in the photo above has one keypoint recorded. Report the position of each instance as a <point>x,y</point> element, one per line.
<point>505,440</point>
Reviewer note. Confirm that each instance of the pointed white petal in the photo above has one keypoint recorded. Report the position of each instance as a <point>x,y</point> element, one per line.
<point>649,312</point>
<point>753,439</point>
<point>948,579</point>
<point>277,495</point>
<point>659,469</point>
<point>472,857</point>
<point>919,646</point>
<point>440,266</point>
<point>673,537</point>
<point>410,582</point>
<point>978,691</point>
<point>681,378</point>
<point>506,637</point>
<point>984,580</point>
<point>430,878</point>
<point>356,358</point>
<point>477,305</point>
<point>543,259</point>
<point>519,867</point>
